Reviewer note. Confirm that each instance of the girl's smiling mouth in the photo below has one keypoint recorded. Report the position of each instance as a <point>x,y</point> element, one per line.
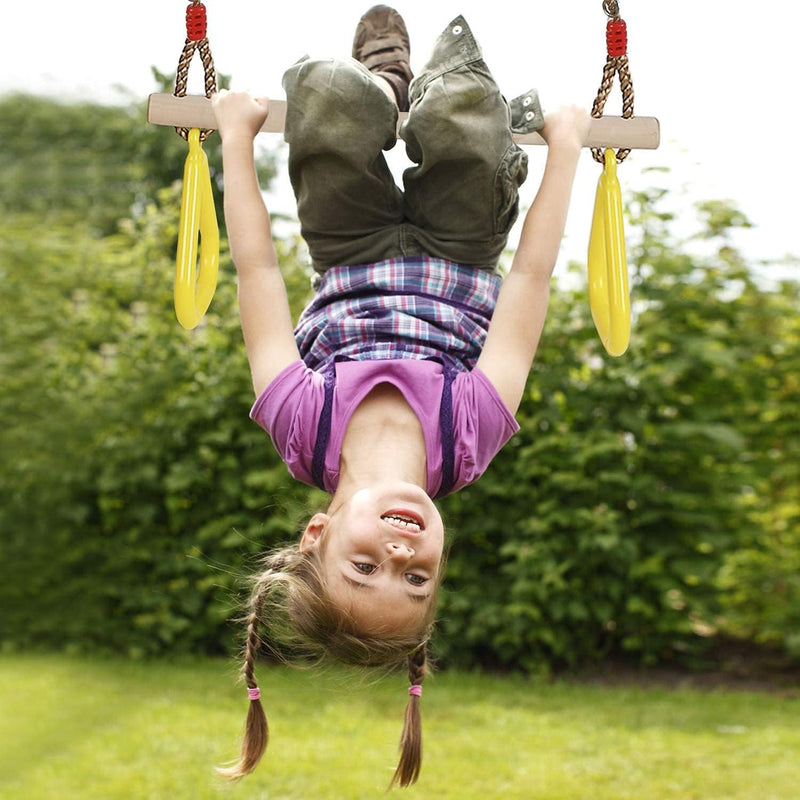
<point>402,519</point>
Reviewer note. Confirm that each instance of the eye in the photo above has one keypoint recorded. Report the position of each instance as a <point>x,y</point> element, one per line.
<point>415,580</point>
<point>367,569</point>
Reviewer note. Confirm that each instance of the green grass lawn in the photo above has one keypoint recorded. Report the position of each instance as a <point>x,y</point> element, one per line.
<point>102,729</point>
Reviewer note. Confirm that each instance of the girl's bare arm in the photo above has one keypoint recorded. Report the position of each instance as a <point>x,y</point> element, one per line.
<point>522,304</point>
<point>263,304</point>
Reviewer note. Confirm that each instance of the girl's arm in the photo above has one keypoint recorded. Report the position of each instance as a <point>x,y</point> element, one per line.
<point>522,304</point>
<point>263,304</point>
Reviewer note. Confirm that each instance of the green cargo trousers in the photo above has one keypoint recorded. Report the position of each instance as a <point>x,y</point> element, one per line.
<point>460,197</point>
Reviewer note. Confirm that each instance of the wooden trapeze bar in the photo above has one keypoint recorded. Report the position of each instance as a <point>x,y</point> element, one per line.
<point>194,111</point>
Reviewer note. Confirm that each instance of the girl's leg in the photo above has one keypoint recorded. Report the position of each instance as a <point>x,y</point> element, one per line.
<point>461,197</point>
<point>338,122</point>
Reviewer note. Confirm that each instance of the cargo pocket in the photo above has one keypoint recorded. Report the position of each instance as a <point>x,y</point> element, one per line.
<point>510,176</point>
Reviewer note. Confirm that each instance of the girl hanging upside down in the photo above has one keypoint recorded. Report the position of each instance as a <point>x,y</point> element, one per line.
<point>401,379</point>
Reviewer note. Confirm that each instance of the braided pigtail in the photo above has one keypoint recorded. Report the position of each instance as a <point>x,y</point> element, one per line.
<point>256,733</point>
<point>410,763</point>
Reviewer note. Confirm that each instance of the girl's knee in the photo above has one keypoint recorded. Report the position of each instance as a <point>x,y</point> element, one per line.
<point>327,83</point>
<point>461,112</point>
<point>337,101</point>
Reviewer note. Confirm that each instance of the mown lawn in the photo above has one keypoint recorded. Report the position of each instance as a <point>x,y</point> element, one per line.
<point>106,729</point>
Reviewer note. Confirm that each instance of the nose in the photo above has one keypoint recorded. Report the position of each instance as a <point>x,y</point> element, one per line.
<point>398,551</point>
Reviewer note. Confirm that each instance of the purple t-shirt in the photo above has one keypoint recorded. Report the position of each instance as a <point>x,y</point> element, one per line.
<point>289,409</point>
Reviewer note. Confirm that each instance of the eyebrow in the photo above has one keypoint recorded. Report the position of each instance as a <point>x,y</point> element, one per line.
<point>417,598</point>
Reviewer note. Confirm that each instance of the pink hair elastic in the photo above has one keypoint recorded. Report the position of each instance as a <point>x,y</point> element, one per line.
<point>254,693</point>
<point>415,690</point>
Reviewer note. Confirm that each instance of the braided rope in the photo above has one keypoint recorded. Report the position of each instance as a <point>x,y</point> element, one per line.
<point>182,76</point>
<point>614,65</point>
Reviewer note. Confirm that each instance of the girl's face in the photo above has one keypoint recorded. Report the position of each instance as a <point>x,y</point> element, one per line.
<point>381,555</point>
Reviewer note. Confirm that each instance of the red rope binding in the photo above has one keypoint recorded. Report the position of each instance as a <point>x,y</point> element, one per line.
<point>195,22</point>
<point>617,38</point>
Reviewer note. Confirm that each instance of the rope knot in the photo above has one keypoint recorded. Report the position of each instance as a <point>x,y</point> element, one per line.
<point>196,23</point>
<point>617,38</point>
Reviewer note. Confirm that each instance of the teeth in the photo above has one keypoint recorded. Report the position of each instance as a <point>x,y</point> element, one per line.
<point>402,522</point>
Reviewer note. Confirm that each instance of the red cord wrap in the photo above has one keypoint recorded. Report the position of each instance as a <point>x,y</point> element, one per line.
<point>195,22</point>
<point>617,38</point>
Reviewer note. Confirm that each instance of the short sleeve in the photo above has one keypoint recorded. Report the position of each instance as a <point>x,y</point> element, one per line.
<point>482,424</point>
<point>289,410</point>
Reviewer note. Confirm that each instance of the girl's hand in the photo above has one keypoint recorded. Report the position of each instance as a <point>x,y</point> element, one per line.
<point>569,126</point>
<point>239,113</point>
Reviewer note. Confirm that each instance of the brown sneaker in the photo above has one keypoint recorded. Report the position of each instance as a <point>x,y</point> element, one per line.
<point>381,45</point>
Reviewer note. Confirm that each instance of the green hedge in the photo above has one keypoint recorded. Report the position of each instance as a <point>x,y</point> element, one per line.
<point>649,504</point>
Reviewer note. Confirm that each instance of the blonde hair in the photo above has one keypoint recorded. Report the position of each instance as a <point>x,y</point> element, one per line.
<point>289,603</point>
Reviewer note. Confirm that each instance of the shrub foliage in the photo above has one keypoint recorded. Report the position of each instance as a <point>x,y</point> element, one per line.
<point>649,504</point>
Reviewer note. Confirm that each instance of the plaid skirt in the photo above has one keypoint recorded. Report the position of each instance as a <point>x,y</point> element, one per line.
<point>418,307</point>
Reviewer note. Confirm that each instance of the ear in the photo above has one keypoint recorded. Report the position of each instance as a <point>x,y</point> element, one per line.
<point>311,535</point>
